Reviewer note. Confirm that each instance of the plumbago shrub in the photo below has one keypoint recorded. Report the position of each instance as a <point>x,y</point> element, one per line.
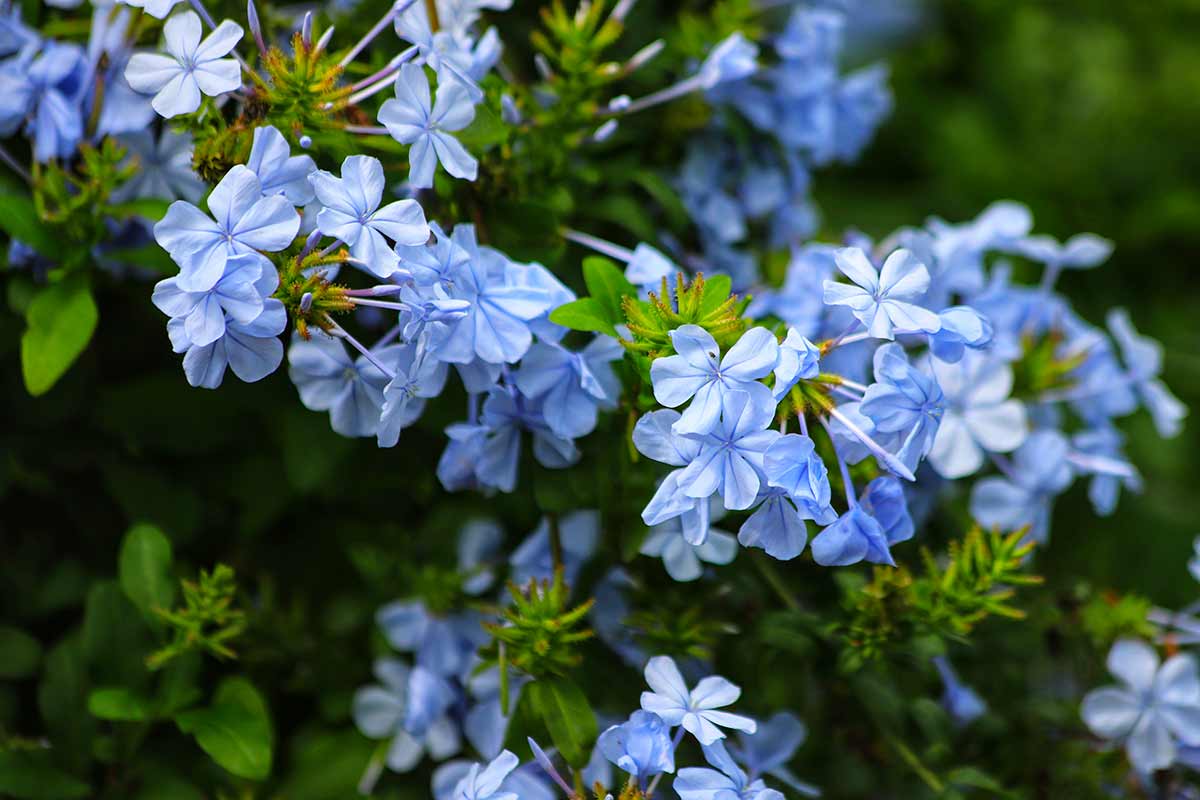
<point>679,491</point>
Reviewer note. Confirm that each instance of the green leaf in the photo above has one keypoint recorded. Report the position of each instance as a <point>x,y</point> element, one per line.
<point>148,256</point>
<point>235,730</point>
<point>20,653</point>
<point>569,720</point>
<point>485,132</point>
<point>61,320</point>
<point>118,704</point>
<point>716,291</point>
<point>144,569</point>
<point>584,314</point>
<point>151,208</point>
<point>31,775</point>
<point>19,219</point>
<point>607,285</point>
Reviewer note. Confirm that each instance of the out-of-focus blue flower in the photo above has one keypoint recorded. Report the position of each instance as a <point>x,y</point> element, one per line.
<point>730,457</point>
<point>1143,362</point>
<point>1039,473</point>
<point>681,558</point>
<point>246,222</point>
<point>442,643</point>
<point>42,94</point>
<point>571,386</point>
<point>193,68</point>
<point>164,167</point>
<point>506,414</point>
<point>883,301</point>
<point>640,746</point>
<point>350,211</point>
<point>904,403</point>
<point>727,782</point>
<point>962,703</point>
<point>329,380</point>
<point>1105,442</point>
<point>155,8</point>
<point>578,533</point>
<point>799,301</point>
<point>768,750</point>
<point>962,327</point>
<point>700,373</point>
<point>411,120</point>
<point>1082,251</point>
<point>277,169</point>
<point>979,416</point>
<point>861,103</point>
<point>464,448</point>
<point>1156,708</point>
<point>694,709</point>
<point>410,707</point>
<point>732,59</point>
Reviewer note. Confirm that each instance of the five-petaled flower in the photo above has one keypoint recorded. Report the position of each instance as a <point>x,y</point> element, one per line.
<point>193,67</point>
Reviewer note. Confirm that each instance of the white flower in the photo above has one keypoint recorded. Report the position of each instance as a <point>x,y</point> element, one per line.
<point>193,66</point>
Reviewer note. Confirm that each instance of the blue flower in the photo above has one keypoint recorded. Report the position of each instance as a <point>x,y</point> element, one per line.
<point>1143,360</point>
<point>884,301</point>
<point>409,706</point>
<point>680,557</point>
<point>506,413</point>
<point>768,750</point>
<point>44,93</point>
<point>799,359</point>
<point>697,373</point>
<point>868,529</point>
<point>464,449</point>
<point>962,703</point>
<point>155,8</point>
<point>694,709</point>
<point>904,403</point>
<point>235,295</point>
<point>246,222</point>
<point>418,376</point>
<point>979,416</point>
<point>329,380</point>
<point>497,327</point>
<point>777,526</point>
<point>278,171</point>
<point>443,643</point>
<point>442,261</point>
<point>411,120</point>
<point>640,746</point>
<point>351,212</point>
<point>1100,448</point>
<point>572,386</point>
<point>250,348</point>
<point>1082,251</point>
<point>578,532</point>
<point>485,783</point>
<point>193,68</point>
<point>727,782</point>
<point>730,457</point>
<point>523,783</point>
<point>792,464</point>
<point>799,302</point>
<point>733,58</point>
<point>1156,709</point>
<point>164,167</point>
<point>962,327</point>
<point>1039,473</point>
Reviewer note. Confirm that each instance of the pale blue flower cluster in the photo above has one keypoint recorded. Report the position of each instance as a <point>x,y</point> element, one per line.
<point>50,89</point>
